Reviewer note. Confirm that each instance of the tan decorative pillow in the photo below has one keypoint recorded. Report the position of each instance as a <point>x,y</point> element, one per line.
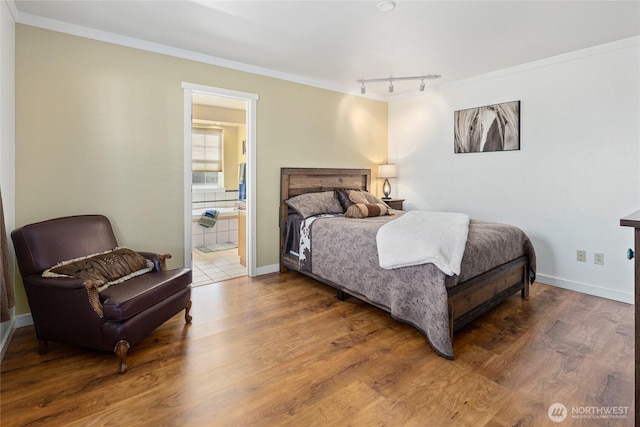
<point>349,196</point>
<point>363,210</point>
<point>110,267</point>
<point>358,197</point>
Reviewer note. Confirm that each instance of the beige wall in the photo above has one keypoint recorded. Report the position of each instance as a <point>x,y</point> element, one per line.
<point>99,130</point>
<point>242,136</point>
<point>230,158</point>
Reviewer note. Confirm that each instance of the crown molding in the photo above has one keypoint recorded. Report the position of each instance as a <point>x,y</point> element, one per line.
<point>108,37</point>
<point>132,42</point>
<point>13,9</point>
<point>631,42</point>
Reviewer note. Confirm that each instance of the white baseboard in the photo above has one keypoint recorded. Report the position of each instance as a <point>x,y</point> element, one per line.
<point>11,325</point>
<point>597,291</point>
<point>267,269</point>
<point>8,328</point>
<point>24,320</point>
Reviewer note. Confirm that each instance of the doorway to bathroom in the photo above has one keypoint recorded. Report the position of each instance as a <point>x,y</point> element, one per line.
<point>218,211</point>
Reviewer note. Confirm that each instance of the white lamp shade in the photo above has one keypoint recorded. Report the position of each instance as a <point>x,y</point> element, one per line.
<point>388,170</point>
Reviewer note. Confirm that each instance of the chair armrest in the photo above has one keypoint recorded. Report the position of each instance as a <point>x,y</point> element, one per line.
<point>62,311</point>
<point>57,282</point>
<point>94,298</point>
<point>159,260</point>
<point>68,284</point>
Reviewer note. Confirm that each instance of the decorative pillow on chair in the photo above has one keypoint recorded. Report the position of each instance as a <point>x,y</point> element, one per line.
<point>310,204</point>
<point>110,267</point>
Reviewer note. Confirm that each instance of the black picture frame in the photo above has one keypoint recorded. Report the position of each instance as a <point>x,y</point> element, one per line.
<point>493,127</point>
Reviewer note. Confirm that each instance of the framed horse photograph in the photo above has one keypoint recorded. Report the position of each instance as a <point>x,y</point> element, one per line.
<point>490,128</point>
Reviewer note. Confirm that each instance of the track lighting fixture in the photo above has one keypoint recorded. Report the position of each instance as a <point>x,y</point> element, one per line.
<point>363,89</point>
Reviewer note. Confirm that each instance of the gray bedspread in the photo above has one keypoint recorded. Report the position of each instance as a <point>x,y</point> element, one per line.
<point>344,252</point>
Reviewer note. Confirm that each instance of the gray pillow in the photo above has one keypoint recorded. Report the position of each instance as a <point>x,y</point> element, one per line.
<point>310,204</point>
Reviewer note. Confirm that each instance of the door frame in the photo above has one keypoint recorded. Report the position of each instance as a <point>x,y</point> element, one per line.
<point>251,99</point>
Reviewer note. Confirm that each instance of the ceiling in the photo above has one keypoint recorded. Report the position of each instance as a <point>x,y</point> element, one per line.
<point>332,44</point>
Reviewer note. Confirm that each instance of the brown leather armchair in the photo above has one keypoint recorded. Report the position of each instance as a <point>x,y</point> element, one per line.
<point>71,310</point>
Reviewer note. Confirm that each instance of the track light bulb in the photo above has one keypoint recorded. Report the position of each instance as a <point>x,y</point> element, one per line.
<point>363,89</point>
<point>422,86</point>
<point>390,86</point>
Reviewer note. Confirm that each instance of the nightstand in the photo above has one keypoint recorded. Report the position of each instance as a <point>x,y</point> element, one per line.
<point>394,203</point>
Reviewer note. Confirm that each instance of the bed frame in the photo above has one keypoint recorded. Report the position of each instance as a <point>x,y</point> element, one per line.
<point>467,300</point>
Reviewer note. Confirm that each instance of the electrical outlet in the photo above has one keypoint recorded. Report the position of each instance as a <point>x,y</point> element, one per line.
<point>581,256</point>
<point>598,258</point>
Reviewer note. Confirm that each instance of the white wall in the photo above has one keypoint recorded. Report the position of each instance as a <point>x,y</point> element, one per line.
<point>576,175</point>
<point>7,137</point>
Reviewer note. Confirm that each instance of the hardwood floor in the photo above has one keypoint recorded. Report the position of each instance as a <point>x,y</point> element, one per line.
<point>280,350</point>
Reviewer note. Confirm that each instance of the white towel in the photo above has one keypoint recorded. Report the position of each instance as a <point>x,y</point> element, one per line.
<point>419,237</point>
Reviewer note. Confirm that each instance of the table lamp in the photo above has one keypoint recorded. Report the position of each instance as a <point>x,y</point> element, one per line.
<point>386,171</point>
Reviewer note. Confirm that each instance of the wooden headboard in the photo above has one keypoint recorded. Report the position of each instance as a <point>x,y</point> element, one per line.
<point>296,181</point>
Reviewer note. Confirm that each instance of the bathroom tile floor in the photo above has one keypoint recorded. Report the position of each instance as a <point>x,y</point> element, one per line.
<point>211,267</point>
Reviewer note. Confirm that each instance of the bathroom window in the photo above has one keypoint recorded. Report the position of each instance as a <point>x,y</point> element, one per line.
<point>206,156</point>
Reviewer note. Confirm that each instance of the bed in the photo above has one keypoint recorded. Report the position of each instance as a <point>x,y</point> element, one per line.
<point>498,260</point>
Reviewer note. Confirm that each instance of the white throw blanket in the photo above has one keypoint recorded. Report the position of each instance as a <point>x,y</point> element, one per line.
<point>419,237</point>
